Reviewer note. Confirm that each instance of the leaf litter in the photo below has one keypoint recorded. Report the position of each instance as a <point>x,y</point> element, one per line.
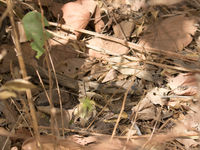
<point>98,70</point>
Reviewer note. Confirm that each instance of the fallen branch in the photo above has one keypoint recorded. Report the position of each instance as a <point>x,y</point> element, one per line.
<point>134,46</point>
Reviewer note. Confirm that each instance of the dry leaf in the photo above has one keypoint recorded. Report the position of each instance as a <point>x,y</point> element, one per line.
<point>22,35</point>
<point>18,85</point>
<point>189,124</point>
<point>110,76</point>
<point>109,47</point>
<point>164,2</point>
<point>5,94</point>
<point>146,109</point>
<point>155,96</point>
<point>127,28</point>
<point>184,84</point>
<point>77,13</point>
<point>173,33</point>
<point>138,4</point>
<point>127,67</point>
<point>99,24</point>
<point>116,3</point>
<point>48,143</point>
<point>83,140</point>
<point>147,114</point>
<point>71,67</point>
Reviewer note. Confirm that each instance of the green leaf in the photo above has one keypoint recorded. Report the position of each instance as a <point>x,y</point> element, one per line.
<point>34,32</point>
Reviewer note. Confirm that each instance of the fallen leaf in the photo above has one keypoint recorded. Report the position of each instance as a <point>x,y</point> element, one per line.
<point>110,76</point>
<point>164,2</point>
<point>145,103</point>
<point>83,140</point>
<point>184,84</point>
<point>126,26</point>
<point>116,3</point>
<point>147,114</point>
<point>146,109</point>
<point>78,13</point>
<point>98,22</point>
<point>5,94</point>
<point>18,85</point>
<point>127,67</point>
<point>173,33</point>
<point>48,143</point>
<point>189,124</point>
<point>108,47</point>
<point>71,67</point>
<point>22,34</point>
<point>155,96</point>
<point>136,4</point>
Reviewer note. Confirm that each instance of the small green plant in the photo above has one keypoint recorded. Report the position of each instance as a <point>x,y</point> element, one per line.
<point>34,32</point>
<point>85,110</point>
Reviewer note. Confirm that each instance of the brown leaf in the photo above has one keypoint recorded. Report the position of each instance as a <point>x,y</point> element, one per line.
<point>184,84</point>
<point>188,124</point>
<point>77,14</point>
<point>164,2</point>
<point>48,144</point>
<point>108,47</point>
<point>71,67</point>
<point>127,27</point>
<point>173,33</point>
<point>99,24</point>
<point>112,74</point>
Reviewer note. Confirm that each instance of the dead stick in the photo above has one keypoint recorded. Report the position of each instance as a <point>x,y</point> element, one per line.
<point>135,46</point>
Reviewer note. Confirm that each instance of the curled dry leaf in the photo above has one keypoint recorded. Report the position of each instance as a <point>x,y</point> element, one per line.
<point>173,33</point>
<point>18,85</point>
<point>77,14</point>
<point>5,94</point>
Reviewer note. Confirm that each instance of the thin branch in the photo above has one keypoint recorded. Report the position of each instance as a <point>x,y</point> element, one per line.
<point>24,74</point>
